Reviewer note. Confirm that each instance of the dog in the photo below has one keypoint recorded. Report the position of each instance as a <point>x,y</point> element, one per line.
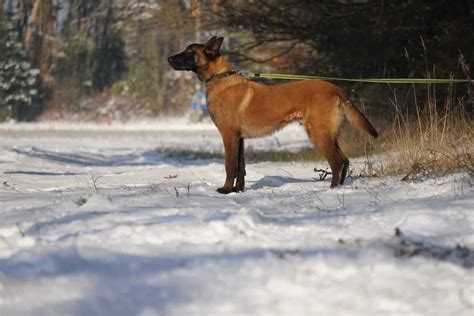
<point>241,108</point>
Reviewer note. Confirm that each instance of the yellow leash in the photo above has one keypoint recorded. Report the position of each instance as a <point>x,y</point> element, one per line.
<point>370,80</point>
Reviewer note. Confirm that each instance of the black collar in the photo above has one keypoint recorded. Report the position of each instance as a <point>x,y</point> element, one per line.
<point>221,75</point>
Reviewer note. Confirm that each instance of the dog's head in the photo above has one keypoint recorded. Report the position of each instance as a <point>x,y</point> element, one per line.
<point>197,57</point>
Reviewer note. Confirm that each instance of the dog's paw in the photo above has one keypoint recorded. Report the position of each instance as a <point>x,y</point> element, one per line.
<point>224,190</point>
<point>239,186</point>
<point>238,189</point>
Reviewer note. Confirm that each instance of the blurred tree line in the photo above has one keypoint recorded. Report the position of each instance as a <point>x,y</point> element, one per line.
<point>59,53</point>
<point>84,48</point>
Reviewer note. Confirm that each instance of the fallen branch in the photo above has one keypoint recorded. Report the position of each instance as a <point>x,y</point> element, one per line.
<point>322,173</point>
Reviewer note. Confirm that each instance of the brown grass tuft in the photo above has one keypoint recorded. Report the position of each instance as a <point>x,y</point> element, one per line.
<point>430,142</point>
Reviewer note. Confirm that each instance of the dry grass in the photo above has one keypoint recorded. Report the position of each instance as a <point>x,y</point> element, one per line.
<point>430,141</point>
<point>431,135</point>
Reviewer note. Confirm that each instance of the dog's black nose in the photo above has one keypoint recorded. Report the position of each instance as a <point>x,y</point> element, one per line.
<point>170,59</point>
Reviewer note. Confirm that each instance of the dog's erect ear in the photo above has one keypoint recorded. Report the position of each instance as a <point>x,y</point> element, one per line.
<point>213,46</point>
<point>211,40</point>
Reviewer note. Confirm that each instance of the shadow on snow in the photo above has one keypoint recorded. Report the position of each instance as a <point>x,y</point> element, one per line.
<point>143,158</point>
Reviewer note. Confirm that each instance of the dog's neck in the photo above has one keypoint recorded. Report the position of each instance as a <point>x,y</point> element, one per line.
<point>215,67</point>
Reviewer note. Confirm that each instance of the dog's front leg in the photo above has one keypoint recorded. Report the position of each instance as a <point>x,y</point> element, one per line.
<point>231,145</point>
<point>240,185</point>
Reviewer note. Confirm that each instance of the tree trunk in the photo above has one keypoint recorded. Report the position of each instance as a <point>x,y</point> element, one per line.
<point>35,14</point>
<point>49,45</point>
<point>2,3</point>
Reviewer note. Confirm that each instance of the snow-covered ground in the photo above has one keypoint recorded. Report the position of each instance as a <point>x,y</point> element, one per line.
<point>97,221</point>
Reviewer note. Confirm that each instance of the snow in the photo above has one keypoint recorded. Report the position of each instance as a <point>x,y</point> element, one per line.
<point>96,220</point>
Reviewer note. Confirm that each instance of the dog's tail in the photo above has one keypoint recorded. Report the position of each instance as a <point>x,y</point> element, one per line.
<point>355,116</point>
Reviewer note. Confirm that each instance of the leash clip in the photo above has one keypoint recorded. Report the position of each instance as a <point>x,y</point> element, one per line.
<point>249,74</point>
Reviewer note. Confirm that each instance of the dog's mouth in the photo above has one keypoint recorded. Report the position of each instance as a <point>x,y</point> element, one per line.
<point>182,61</point>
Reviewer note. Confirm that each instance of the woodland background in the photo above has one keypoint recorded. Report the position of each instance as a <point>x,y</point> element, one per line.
<point>105,60</point>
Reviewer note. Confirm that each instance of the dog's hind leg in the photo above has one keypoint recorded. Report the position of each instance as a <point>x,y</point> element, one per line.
<point>240,185</point>
<point>345,166</point>
<point>326,143</point>
<point>328,146</point>
<point>345,163</point>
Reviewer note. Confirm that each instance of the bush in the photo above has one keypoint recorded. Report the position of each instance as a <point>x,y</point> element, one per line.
<point>21,93</point>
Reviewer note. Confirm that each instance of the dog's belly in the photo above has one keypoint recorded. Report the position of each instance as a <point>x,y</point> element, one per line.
<point>252,132</point>
<point>250,129</point>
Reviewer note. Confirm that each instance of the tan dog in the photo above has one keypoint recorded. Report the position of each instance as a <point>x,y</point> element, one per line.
<point>241,108</point>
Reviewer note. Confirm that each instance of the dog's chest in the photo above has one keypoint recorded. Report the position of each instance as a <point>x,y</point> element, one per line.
<point>225,106</point>
<point>212,107</point>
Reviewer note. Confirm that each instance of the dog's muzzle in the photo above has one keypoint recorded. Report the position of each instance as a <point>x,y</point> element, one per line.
<point>174,63</point>
<point>182,61</point>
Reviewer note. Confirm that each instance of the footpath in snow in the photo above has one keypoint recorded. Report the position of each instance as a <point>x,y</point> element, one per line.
<point>97,221</point>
